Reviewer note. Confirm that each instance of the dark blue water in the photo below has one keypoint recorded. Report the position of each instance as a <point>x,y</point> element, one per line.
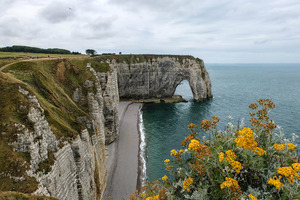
<point>234,87</point>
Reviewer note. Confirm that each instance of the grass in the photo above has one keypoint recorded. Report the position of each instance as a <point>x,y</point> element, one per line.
<point>10,57</point>
<point>22,196</point>
<point>137,58</point>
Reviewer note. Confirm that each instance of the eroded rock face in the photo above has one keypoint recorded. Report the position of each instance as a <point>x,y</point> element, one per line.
<point>160,77</point>
<point>79,170</point>
<point>108,99</point>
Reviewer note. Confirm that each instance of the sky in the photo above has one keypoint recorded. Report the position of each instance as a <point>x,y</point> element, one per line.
<point>217,31</point>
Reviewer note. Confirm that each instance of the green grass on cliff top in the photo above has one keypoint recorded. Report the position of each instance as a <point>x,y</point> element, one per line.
<point>10,57</point>
<point>22,196</point>
<point>137,58</point>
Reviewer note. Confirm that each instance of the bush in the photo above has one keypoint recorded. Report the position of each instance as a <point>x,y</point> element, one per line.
<point>237,163</point>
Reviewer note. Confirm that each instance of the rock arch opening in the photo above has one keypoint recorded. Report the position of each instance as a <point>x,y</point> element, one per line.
<point>184,90</point>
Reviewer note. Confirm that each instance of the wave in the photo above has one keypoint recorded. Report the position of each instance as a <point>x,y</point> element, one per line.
<point>143,145</point>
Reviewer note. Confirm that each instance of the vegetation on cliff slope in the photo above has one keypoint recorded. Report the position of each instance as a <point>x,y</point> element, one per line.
<point>140,58</point>
<point>22,196</point>
<point>53,83</point>
<point>237,163</point>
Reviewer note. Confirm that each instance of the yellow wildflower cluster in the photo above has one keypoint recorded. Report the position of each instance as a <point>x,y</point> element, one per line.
<point>289,173</point>
<point>253,106</point>
<point>156,197</point>
<point>176,153</point>
<point>221,157</point>
<point>230,157</point>
<point>266,102</point>
<point>187,184</point>
<point>192,126</point>
<point>194,145</point>
<point>279,147</point>
<point>291,146</point>
<point>167,164</point>
<point>259,151</point>
<point>229,182</point>
<point>252,197</point>
<point>165,178</point>
<point>296,166</point>
<point>276,182</point>
<point>246,140</point>
<point>206,125</point>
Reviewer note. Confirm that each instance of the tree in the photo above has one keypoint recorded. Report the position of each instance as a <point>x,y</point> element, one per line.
<point>90,52</point>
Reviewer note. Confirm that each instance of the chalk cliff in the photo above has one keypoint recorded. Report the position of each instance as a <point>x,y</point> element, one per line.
<point>56,128</point>
<point>158,77</point>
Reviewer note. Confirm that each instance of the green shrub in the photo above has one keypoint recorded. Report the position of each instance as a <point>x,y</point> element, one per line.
<point>237,163</point>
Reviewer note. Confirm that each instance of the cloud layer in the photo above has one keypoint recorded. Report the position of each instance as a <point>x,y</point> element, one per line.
<point>217,31</point>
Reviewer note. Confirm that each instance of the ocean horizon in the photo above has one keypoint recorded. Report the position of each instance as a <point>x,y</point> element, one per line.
<point>235,86</point>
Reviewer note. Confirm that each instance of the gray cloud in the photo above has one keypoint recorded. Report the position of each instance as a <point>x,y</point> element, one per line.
<point>57,11</point>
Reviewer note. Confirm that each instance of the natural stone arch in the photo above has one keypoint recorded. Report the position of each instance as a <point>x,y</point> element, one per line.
<point>183,91</point>
<point>159,78</point>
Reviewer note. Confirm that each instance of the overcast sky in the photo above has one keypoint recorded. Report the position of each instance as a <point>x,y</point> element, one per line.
<point>217,31</point>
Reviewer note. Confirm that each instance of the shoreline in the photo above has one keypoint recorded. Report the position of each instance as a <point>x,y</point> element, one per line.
<point>124,165</point>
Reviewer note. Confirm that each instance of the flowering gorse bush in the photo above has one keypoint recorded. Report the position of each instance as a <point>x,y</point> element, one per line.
<point>240,162</point>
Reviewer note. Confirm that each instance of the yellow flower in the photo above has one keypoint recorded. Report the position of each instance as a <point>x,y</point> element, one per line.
<point>230,154</point>
<point>165,178</point>
<point>229,182</point>
<point>167,161</point>
<point>296,166</point>
<point>289,173</point>
<point>252,197</point>
<point>194,145</point>
<point>291,146</point>
<point>276,182</point>
<point>156,197</point>
<point>237,166</point>
<point>187,184</point>
<point>143,194</point>
<point>149,198</point>
<point>221,157</point>
<point>245,139</point>
<point>259,151</point>
<point>279,147</point>
<point>230,157</point>
<point>173,152</point>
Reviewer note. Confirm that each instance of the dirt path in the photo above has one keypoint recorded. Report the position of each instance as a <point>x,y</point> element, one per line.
<point>33,60</point>
<point>28,60</point>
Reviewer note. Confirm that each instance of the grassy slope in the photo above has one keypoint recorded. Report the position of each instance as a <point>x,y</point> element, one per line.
<point>136,58</point>
<point>53,83</point>
<point>10,57</point>
<point>21,196</point>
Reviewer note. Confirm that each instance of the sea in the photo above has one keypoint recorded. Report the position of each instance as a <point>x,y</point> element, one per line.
<point>234,86</point>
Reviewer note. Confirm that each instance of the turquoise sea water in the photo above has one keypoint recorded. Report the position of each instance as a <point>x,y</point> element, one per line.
<point>234,87</point>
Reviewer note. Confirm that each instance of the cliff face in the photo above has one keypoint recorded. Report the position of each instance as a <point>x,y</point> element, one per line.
<point>56,129</point>
<point>159,77</point>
